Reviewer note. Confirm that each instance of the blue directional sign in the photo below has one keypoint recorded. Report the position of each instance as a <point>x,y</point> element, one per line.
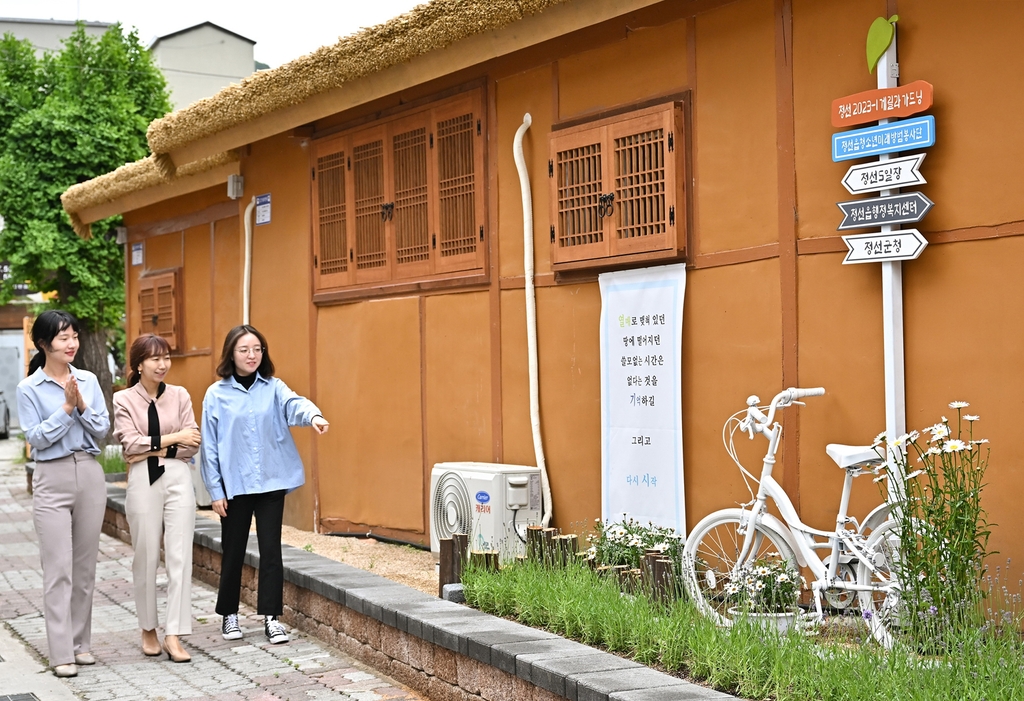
<point>906,208</point>
<point>903,135</point>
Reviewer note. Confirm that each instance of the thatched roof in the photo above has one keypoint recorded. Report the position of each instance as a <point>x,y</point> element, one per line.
<point>429,27</point>
<point>132,177</point>
<point>426,28</point>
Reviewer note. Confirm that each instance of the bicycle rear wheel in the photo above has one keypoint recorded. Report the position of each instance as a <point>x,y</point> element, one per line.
<point>712,552</point>
<point>881,607</point>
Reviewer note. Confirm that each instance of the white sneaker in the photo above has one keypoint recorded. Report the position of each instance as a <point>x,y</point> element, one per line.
<point>275,631</point>
<point>229,629</point>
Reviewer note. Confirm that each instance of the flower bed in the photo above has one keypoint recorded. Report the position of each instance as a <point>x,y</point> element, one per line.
<point>835,664</point>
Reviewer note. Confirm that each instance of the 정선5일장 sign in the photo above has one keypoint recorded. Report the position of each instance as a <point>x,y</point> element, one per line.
<point>641,395</point>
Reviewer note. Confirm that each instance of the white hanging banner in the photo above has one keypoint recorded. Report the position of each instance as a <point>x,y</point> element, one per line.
<point>642,395</point>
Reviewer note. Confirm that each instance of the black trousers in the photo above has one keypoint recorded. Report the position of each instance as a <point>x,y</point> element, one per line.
<point>268,508</point>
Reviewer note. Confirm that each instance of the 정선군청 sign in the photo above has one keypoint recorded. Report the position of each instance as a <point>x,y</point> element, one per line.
<point>884,246</point>
<point>903,135</point>
<point>907,208</point>
<point>641,395</point>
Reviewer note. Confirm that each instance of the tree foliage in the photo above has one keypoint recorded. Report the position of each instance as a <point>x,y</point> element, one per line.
<point>66,118</point>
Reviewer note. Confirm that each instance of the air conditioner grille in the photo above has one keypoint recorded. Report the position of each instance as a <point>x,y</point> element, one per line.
<point>453,512</point>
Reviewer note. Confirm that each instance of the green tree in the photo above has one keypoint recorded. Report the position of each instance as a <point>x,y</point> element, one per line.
<point>66,118</point>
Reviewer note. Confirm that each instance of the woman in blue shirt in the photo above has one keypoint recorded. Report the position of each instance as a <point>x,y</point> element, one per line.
<point>63,417</point>
<point>249,463</point>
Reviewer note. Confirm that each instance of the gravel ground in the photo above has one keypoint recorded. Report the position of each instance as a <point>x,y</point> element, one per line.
<point>400,563</point>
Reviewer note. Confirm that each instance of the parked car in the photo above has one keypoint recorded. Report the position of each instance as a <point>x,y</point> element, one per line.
<point>5,417</point>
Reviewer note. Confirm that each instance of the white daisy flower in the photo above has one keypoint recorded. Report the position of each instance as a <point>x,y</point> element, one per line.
<point>933,451</point>
<point>980,441</point>
<point>782,578</point>
<point>971,417</point>
<point>914,474</point>
<point>759,586</point>
<point>879,439</point>
<point>958,405</point>
<point>954,446</point>
<point>879,479</point>
<point>761,571</point>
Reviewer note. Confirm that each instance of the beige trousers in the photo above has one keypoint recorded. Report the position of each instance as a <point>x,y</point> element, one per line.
<point>69,497</point>
<point>164,510</point>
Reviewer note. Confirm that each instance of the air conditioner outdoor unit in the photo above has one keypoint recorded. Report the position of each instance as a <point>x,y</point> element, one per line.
<point>492,503</point>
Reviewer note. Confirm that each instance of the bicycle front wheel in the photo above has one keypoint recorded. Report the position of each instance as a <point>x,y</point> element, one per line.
<point>881,607</point>
<point>712,553</point>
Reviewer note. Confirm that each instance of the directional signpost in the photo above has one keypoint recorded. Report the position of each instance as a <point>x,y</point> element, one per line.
<point>902,135</point>
<point>885,175</point>
<point>909,208</point>
<point>884,246</point>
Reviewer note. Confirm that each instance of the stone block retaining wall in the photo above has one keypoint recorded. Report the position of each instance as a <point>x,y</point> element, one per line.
<point>445,651</point>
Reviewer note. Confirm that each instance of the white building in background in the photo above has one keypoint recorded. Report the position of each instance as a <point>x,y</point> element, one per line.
<point>198,61</point>
<point>47,34</point>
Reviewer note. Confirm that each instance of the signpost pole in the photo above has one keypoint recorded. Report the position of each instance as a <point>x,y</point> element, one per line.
<point>892,299</point>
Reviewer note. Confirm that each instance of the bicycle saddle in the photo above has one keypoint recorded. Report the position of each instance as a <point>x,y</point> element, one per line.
<point>853,456</point>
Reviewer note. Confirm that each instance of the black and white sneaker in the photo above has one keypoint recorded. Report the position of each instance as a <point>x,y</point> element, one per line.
<point>275,631</point>
<point>229,629</point>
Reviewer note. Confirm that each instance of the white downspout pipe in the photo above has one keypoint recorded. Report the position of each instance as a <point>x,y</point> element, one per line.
<point>247,271</point>
<point>531,316</point>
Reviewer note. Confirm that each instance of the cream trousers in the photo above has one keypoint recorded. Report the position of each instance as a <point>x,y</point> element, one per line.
<point>69,497</point>
<point>164,510</point>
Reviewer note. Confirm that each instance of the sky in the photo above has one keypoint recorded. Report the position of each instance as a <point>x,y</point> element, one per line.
<point>282,30</point>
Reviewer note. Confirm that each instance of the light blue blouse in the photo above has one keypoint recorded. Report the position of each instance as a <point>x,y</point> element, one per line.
<point>52,432</point>
<point>247,447</point>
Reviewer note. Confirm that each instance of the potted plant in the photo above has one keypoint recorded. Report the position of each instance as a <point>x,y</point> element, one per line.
<point>765,592</point>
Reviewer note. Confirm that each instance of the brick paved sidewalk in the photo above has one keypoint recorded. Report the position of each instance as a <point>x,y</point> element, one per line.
<point>250,668</point>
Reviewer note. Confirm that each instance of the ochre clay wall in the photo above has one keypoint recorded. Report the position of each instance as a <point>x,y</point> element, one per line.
<point>408,381</point>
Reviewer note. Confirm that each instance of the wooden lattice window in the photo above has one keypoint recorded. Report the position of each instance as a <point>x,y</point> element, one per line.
<point>331,214</point>
<point>401,198</point>
<point>617,189</point>
<point>158,307</point>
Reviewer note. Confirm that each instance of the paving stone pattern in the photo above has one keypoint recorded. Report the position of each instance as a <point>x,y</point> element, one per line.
<point>304,669</point>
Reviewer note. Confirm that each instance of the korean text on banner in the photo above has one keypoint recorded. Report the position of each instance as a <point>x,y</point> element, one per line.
<point>641,395</point>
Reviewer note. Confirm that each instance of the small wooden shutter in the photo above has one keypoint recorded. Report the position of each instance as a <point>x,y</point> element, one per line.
<point>616,186</point>
<point>579,165</point>
<point>410,180</point>
<point>158,306</point>
<point>331,244</point>
<point>644,183</point>
<point>370,249</point>
<point>459,163</point>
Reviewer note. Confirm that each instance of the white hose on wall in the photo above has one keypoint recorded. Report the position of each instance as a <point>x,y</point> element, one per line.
<point>247,272</point>
<point>531,314</point>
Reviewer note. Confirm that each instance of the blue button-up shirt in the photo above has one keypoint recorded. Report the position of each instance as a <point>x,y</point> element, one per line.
<point>247,447</point>
<point>52,432</point>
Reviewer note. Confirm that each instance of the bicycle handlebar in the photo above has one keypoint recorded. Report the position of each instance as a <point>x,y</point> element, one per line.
<point>782,400</point>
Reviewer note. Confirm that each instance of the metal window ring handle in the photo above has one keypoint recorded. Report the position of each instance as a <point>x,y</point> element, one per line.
<point>605,206</point>
<point>384,212</point>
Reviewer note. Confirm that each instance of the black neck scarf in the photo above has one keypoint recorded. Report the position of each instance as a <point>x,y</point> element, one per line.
<point>153,462</point>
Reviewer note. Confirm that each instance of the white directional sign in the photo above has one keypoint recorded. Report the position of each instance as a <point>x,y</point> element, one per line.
<point>884,175</point>
<point>884,246</point>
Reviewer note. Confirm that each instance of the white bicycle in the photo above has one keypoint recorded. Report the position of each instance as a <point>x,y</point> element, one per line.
<point>861,556</point>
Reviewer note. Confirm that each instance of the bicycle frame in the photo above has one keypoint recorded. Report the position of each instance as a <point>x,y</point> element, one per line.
<point>800,536</point>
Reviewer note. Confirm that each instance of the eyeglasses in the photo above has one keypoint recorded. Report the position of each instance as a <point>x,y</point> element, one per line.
<point>245,351</point>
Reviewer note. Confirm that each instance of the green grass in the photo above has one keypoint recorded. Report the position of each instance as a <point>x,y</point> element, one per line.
<point>112,464</point>
<point>743,660</point>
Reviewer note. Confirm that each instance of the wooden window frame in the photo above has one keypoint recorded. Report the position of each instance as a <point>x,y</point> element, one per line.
<point>447,216</point>
<point>152,317</point>
<point>618,193</point>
